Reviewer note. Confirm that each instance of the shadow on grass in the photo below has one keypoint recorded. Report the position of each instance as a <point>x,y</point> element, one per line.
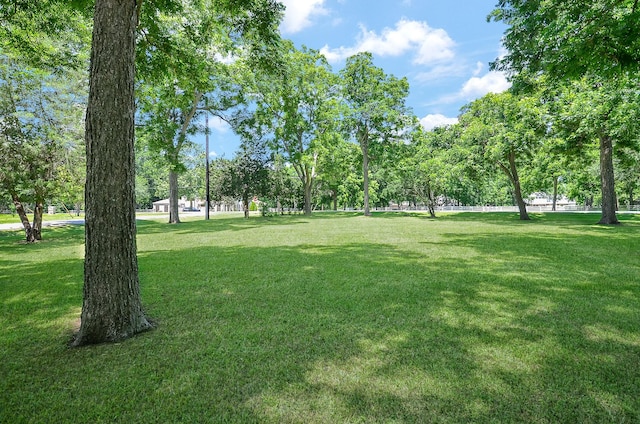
<point>496,327</point>
<point>217,224</point>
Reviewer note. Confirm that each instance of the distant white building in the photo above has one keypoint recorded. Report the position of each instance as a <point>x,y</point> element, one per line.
<point>163,205</point>
<point>543,199</point>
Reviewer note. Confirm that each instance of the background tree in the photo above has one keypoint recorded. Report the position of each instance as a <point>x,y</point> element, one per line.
<point>182,60</point>
<point>285,186</point>
<point>375,110</point>
<point>151,179</point>
<point>571,40</point>
<point>298,111</point>
<point>607,113</point>
<point>246,176</point>
<point>505,129</point>
<point>428,169</point>
<point>40,136</point>
<point>337,161</point>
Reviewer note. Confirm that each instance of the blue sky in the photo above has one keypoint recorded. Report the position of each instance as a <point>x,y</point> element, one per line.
<point>442,47</point>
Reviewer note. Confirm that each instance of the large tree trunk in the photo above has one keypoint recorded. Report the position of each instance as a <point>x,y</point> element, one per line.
<point>607,180</point>
<point>173,198</point>
<point>112,309</point>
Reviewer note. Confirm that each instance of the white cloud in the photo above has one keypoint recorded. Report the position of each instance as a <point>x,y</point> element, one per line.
<point>298,14</point>
<point>492,82</point>
<point>479,69</point>
<point>440,72</point>
<point>430,122</point>
<point>476,87</point>
<point>218,125</point>
<point>430,45</point>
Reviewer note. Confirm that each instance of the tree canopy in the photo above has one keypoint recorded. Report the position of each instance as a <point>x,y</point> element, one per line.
<point>570,38</point>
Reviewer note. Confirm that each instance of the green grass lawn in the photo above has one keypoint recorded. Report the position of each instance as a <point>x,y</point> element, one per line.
<point>13,218</point>
<point>337,318</point>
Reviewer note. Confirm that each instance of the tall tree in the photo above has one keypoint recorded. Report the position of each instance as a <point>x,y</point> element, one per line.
<point>505,129</point>
<point>375,110</point>
<point>607,112</point>
<point>40,134</point>
<point>183,60</point>
<point>570,40</point>
<point>299,109</point>
<point>337,161</point>
<point>246,176</point>
<point>112,307</point>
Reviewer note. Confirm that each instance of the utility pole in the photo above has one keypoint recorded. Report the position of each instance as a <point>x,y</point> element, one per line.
<point>206,137</point>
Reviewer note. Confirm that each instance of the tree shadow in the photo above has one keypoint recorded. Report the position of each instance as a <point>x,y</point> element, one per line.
<point>517,330</point>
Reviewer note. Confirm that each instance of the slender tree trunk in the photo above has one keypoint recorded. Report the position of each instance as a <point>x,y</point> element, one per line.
<point>24,218</point>
<point>512,173</point>
<point>37,220</point>
<point>607,182</point>
<point>309,178</point>
<point>245,206</point>
<point>555,193</point>
<point>112,309</point>
<point>334,197</point>
<point>431,201</point>
<point>174,218</point>
<point>364,145</point>
<point>307,197</point>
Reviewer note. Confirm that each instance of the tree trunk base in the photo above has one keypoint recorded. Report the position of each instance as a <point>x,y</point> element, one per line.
<point>86,337</point>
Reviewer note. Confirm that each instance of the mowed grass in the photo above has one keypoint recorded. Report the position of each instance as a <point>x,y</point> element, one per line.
<point>337,318</point>
<point>13,218</point>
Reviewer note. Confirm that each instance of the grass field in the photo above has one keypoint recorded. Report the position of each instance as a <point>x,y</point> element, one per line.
<point>337,318</point>
<point>8,218</point>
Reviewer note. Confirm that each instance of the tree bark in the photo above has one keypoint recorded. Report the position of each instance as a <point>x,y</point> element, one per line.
<point>364,146</point>
<point>112,309</point>
<point>607,181</point>
<point>512,173</point>
<point>245,207</point>
<point>174,218</point>
<point>37,220</point>
<point>522,207</point>
<point>24,218</point>
<point>431,202</point>
<point>555,193</point>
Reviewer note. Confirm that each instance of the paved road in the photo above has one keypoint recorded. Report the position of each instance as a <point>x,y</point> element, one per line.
<point>18,225</point>
<point>80,221</point>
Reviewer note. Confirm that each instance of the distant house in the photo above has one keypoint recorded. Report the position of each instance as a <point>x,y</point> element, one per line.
<point>183,203</point>
<point>545,200</point>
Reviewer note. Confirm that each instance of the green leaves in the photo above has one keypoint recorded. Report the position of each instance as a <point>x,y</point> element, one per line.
<point>47,34</point>
<point>569,39</point>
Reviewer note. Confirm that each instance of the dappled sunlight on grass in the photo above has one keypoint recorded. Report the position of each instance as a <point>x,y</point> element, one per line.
<point>338,318</point>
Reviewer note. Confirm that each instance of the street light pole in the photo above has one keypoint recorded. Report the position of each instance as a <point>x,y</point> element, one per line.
<point>206,132</point>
